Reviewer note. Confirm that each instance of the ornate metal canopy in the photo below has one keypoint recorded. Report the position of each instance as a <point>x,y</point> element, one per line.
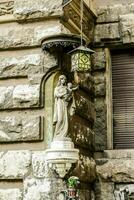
<point>61,42</point>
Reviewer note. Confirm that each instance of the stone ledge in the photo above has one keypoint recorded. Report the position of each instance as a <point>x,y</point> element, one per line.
<point>119,154</point>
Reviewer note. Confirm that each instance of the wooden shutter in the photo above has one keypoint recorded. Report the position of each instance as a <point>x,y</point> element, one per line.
<point>123,98</point>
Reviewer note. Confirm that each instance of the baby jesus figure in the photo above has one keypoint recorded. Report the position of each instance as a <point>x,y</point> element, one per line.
<point>70,89</point>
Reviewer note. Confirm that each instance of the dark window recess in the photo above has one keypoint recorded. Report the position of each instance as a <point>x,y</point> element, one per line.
<point>123,98</point>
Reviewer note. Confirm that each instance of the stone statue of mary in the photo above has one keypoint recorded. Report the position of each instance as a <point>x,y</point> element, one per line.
<point>62,100</point>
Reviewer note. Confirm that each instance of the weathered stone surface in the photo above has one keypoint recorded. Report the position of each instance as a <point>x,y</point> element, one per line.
<point>80,132</point>
<point>39,164</point>
<point>14,164</point>
<point>84,106</point>
<point>20,129</point>
<point>85,194</point>
<point>99,127</point>
<point>42,189</point>
<point>116,170</point>
<point>99,59</point>
<point>106,32</point>
<point>85,169</point>
<point>99,78</point>
<point>100,89</point>
<point>100,84</point>
<point>21,65</point>
<point>40,168</point>
<point>26,9</point>
<point>6,7</point>
<point>20,96</point>
<point>104,190</point>
<point>85,81</point>
<point>16,35</point>
<point>127,28</point>
<point>6,97</point>
<point>112,13</point>
<point>26,96</point>
<point>10,194</point>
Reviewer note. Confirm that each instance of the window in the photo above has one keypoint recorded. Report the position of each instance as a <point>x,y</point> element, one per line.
<point>123,98</point>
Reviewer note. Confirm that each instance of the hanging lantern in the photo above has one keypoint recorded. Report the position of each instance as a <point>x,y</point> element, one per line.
<point>81,59</point>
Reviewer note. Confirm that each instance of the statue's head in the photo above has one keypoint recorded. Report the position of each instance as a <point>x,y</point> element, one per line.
<point>62,80</point>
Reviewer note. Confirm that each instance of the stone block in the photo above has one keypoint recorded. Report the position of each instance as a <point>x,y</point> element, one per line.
<point>39,164</point>
<point>99,59</point>
<point>100,104</point>
<point>85,81</point>
<point>14,164</point>
<point>20,129</point>
<point>6,97</point>
<point>99,78</point>
<point>20,96</point>
<point>112,13</point>
<point>26,96</point>
<point>100,84</point>
<point>13,66</point>
<point>6,7</point>
<point>10,194</point>
<point>84,106</point>
<point>80,132</point>
<point>42,189</point>
<point>104,190</point>
<point>116,170</point>
<point>14,35</point>
<point>100,89</point>
<point>106,32</point>
<point>100,125</point>
<point>127,28</point>
<point>28,9</point>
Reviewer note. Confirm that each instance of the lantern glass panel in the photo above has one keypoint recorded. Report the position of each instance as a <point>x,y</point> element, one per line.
<point>75,61</point>
<point>84,61</point>
<point>81,61</point>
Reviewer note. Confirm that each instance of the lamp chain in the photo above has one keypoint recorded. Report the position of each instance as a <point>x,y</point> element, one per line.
<point>81,21</point>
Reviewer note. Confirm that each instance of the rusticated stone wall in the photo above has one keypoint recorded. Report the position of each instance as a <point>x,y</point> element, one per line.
<point>26,103</point>
<point>114,168</point>
<point>114,29</point>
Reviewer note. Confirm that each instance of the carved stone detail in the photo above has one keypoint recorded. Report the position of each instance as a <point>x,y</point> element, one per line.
<point>6,8</point>
<point>72,16</point>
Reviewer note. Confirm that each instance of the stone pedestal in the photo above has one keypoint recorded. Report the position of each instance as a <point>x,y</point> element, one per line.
<point>62,155</point>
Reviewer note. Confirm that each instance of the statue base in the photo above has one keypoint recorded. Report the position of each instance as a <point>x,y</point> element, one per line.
<point>62,155</point>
